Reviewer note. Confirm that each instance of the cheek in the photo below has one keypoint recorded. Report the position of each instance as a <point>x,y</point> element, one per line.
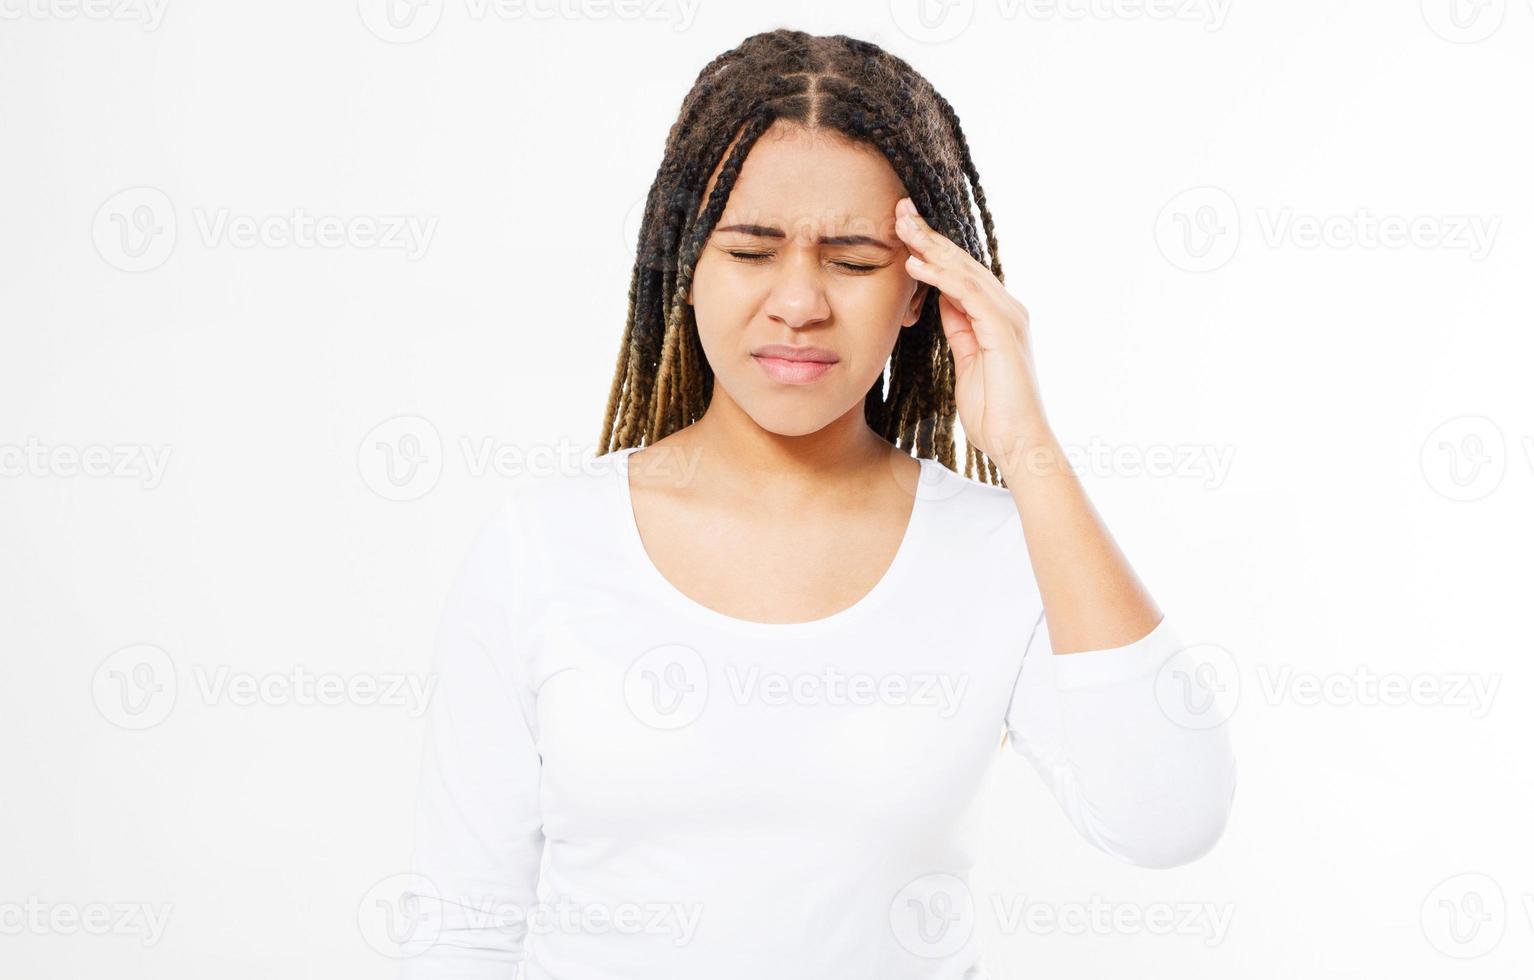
<point>874,296</point>
<point>718,308</point>
<point>722,295</point>
<point>871,307</point>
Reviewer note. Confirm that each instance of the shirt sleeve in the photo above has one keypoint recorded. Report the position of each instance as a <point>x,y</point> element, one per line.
<point>1132,774</point>
<point>478,836</point>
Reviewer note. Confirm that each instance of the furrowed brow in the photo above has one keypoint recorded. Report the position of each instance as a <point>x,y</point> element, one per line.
<point>767,231</point>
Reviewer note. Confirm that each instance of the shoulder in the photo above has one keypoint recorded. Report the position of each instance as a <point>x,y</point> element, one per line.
<point>974,529</point>
<point>562,494</point>
<point>564,489</point>
<point>568,507</point>
<point>965,505</point>
<point>973,541</point>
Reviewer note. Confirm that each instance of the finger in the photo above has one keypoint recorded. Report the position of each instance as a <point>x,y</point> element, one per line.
<point>971,287</point>
<point>958,329</point>
<point>930,244</point>
<point>962,290</point>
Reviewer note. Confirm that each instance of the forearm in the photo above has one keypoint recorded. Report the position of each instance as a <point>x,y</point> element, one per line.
<point>1092,598</point>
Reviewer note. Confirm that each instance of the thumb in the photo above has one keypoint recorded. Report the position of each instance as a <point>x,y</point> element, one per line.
<point>959,331</point>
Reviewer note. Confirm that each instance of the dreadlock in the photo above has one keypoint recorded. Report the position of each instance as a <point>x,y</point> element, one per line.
<point>662,381</point>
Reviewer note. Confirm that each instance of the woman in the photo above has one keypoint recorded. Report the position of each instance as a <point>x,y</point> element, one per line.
<point>726,709</point>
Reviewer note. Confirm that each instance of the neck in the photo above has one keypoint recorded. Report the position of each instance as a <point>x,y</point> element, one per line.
<point>728,445</point>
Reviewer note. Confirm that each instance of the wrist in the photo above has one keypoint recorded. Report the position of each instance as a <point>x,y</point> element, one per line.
<point>1031,451</point>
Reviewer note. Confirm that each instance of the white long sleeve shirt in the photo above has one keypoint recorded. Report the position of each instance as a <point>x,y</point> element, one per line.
<point>621,783</point>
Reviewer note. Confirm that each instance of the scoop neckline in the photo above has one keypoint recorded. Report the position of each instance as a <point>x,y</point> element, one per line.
<point>897,570</point>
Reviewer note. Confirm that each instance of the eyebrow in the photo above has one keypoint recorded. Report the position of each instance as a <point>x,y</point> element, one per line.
<point>767,231</point>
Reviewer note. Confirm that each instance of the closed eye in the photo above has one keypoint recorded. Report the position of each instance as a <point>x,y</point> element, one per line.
<point>760,256</point>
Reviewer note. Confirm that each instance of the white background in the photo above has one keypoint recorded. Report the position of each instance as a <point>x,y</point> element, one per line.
<point>1363,530</point>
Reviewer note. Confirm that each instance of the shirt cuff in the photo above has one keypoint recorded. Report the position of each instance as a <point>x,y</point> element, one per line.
<point>1099,668</point>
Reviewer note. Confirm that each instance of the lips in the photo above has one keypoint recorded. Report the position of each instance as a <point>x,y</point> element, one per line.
<point>794,365</point>
<point>792,372</point>
<point>788,352</point>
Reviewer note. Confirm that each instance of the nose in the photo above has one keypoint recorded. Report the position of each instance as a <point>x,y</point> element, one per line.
<point>798,297</point>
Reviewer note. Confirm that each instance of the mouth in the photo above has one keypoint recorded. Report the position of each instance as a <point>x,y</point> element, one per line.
<point>794,365</point>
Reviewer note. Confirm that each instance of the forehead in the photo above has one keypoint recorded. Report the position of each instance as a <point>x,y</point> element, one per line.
<point>813,182</point>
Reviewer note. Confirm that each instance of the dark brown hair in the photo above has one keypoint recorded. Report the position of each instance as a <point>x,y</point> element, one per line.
<point>663,382</point>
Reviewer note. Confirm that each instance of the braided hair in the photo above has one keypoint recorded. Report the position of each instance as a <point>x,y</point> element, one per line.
<point>662,381</point>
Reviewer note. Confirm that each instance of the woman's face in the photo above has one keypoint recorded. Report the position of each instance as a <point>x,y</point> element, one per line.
<point>804,256</point>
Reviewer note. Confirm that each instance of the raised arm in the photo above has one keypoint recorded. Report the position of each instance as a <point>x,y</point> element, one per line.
<point>1137,783</point>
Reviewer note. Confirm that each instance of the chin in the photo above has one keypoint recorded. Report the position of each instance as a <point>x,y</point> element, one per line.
<point>777,415</point>
<point>792,428</point>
